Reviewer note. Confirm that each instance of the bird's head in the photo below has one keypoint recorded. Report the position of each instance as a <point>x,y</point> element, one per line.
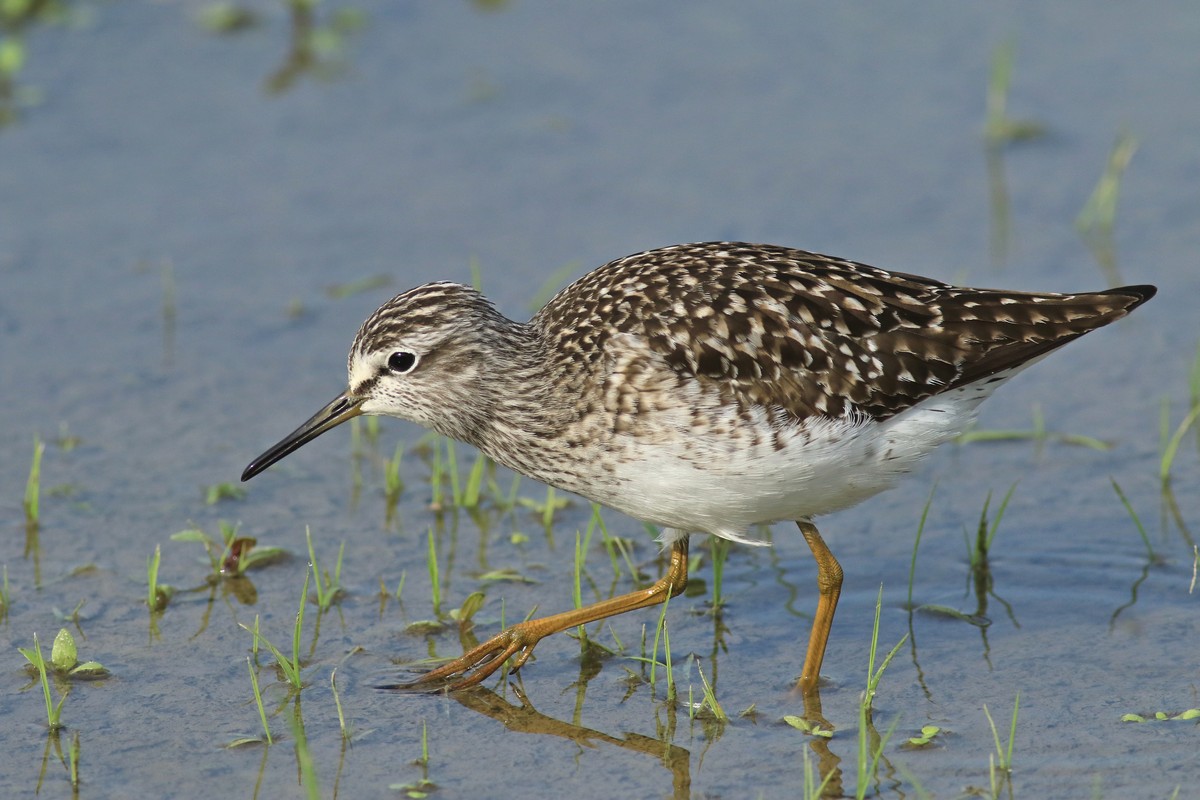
<point>426,355</point>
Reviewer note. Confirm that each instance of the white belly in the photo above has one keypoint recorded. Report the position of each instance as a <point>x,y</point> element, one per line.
<point>721,486</point>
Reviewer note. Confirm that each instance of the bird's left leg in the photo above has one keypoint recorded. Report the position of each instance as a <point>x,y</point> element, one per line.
<point>829,586</point>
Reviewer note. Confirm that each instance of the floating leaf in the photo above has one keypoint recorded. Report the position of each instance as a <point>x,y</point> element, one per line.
<point>64,655</point>
<point>89,670</point>
<point>506,574</point>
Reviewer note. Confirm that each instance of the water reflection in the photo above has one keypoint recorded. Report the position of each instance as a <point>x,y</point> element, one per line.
<point>1096,221</point>
<point>314,47</point>
<point>1001,130</point>
<point>524,718</point>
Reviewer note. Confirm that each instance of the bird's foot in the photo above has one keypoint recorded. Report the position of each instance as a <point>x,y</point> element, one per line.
<point>477,664</point>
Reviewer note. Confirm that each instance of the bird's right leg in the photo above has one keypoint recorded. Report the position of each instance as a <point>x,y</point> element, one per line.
<point>520,639</point>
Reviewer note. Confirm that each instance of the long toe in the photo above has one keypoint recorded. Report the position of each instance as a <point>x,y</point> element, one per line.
<point>479,663</point>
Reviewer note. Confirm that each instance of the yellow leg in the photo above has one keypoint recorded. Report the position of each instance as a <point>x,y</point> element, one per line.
<point>520,639</point>
<point>829,585</point>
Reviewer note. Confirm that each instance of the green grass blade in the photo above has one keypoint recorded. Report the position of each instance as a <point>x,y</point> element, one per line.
<point>34,656</point>
<point>262,712</point>
<point>1172,446</point>
<point>1136,520</point>
<point>312,564</point>
<point>337,701</point>
<point>435,479</point>
<point>34,483</point>
<point>548,509</point>
<point>577,587</point>
<point>474,482</point>
<point>1099,213</point>
<point>995,524</point>
<point>432,565</point>
<point>296,630</point>
<point>551,285</point>
<point>912,567</point>
<point>456,496</point>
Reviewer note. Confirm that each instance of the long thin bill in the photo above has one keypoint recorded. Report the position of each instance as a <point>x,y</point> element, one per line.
<point>343,407</point>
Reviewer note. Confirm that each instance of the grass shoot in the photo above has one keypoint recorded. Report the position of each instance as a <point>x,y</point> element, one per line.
<point>1136,520</point>
<point>464,615</point>
<point>720,552</point>
<point>329,587</point>
<point>435,480</point>
<point>290,667</point>
<point>452,471</point>
<point>912,567</point>
<point>874,676</point>
<point>232,555</point>
<point>53,710</point>
<point>5,595</point>
<point>158,595</point>
<point>986,531</point>
<point>434,583</point>
<point>999,128</point>
<point>474,487</point>
<point>1170,446</point>
<point>340,291</point>
<point>666,639</point>
<point>661,635</point>
<point>1194,381</point>
<point>868,755</point>
<point>33,485</point>
<point>337,701</point>
<point>393,485</point>
<point>1038,433</point>
<point>422,787</point>
<point>220,492</point>
<point>1001,761</point>
<point>577,584</point>
<point>710,698</point>
<point>67,441</point>
<point>258,702</point>
<point>461,495</point>
<point>1099,213</point>
<point>545,508</point>
<point>551,285</point>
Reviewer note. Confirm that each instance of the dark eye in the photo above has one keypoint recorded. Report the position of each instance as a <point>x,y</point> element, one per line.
<point>401,362</point>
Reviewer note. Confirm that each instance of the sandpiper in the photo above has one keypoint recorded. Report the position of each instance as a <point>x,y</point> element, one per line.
<point>704,388</point>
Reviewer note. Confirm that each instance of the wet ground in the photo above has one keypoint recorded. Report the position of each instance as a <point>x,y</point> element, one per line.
<point>191,228</point>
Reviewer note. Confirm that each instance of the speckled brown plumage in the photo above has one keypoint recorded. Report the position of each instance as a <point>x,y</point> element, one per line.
<point>705,388</point>
<point>811,334</point>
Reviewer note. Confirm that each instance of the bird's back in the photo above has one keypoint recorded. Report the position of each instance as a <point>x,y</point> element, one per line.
<point>815,335</point>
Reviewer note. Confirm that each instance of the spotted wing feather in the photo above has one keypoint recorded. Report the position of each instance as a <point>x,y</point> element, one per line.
<point>807,334</point>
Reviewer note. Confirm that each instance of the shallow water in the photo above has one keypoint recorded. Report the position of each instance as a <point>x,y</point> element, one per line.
<point>168,233</point>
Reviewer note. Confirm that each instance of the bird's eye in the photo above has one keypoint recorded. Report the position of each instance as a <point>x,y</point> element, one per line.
<point>401,361</point>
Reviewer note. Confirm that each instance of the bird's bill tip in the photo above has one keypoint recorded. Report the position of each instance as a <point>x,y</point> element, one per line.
<point>343,407</point>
